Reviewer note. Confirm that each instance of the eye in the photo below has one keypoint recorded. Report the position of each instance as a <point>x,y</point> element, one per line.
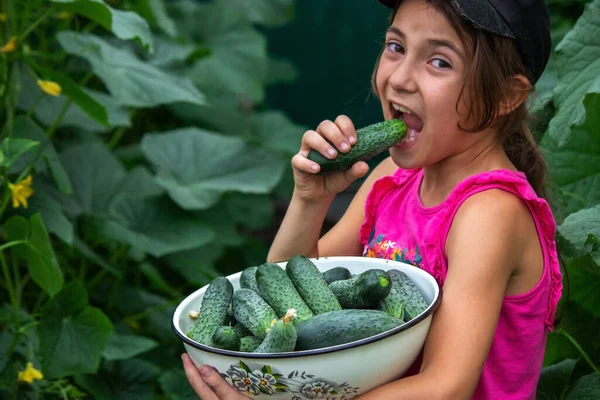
<point>395,47</point>
<point>439,63</point>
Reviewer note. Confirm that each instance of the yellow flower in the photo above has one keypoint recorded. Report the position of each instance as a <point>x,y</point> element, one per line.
<point>63,15</point>
<point>21,192</point>
<point>52,88</point>
<point>29,374</point>
<point>10,46</point>
<point>3,17</point>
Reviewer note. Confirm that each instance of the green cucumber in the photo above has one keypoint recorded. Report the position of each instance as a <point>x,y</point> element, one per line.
<point>413,300</point>
<point>213,310</point>
<point>279,291</point>
<point>393,304</point>
<point>281,338</point>
<point>309,282</point>
<point>253,312</point>
<point>336,274</point>
<point>226,338</point>
<point>365,290</point>
<point>343,326</point>
<point>248,279</point>
<point>249,343</point>
<point>371,141</point>
<point>240,329</point>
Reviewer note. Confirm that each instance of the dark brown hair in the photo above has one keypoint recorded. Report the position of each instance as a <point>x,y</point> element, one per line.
<point>489,82</point>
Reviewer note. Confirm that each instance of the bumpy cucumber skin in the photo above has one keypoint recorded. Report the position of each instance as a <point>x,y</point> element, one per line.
<point>248,279</point>
<point>281,338</point>
<point>344,326</point>
<point>371,141</point>
<point>414,303</point>
<point>226,338</point>
<point>393,304</point>
<point>279,291</point>
<point>336,274</point>
<point>309,282</point>
<point>240,329</point>
<point>249,343</point>
<point>213,310</point>
<point>366,290</point>
<point>253,312</point>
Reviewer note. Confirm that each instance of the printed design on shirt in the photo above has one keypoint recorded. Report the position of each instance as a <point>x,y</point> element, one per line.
<point>379,247</point>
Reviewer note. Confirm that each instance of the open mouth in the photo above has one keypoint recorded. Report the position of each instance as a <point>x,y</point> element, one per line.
<point>413,122</point>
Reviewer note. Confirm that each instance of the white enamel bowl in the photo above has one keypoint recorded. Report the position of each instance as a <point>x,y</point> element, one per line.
<point>334,373</point>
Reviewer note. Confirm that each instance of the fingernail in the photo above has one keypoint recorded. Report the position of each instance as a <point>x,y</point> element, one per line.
<point>315,167</point>
<point>344,146</point>
<point>352,139</point>
<point>331,152</point>
<point>206,370</point>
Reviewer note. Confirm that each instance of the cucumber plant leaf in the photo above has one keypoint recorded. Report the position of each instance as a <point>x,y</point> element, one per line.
<point>130,81</point>
<point>124,24</point>
<point>68,322</point>
<point>196,167</point>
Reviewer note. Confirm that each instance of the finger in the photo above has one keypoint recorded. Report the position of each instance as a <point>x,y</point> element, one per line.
<point>193,375</point>
<point>303,164</point>
<point>219,385</point>
<point>314,140</point>
<point>339,181</point>
<point>333,134</point>
<point>347,127</point>
<point>357,171</point>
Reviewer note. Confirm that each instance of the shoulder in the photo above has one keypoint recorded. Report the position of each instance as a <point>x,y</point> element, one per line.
<point>493,221</point>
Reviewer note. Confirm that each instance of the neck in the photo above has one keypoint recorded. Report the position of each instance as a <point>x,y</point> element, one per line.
<point>442,177</point>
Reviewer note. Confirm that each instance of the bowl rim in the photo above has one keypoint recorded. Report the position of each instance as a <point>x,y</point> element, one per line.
<point>331,349</point>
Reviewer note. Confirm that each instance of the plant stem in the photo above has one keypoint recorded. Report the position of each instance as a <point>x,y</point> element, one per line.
<point>5,199</point>
<point>11,244</point>
<point>17,278</point>
<point>14,304</point>
<point>583,353</point>
<point>35,24</point>
<point>64,108</point>
<point>114,140</point>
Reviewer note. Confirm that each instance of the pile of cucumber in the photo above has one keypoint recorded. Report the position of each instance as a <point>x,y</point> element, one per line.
<point>279,310</point>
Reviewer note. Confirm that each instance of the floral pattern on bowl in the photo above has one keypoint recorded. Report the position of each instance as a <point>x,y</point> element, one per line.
<point>254,380</point>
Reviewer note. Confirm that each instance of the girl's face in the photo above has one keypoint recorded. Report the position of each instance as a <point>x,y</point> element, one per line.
<point>419,79</point>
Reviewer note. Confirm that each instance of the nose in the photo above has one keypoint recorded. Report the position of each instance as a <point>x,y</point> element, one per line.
<point>402,77</point>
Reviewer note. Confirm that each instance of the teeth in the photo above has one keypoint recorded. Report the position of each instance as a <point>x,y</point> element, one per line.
<point>410,137</point>
<point>400,108</point>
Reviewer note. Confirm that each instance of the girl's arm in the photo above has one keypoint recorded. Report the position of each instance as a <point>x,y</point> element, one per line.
<point>300,229</point>
<point>487,240</point>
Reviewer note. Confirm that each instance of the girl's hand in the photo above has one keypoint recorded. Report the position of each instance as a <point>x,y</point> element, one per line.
<point>312,187</point>
<point>208,383</point>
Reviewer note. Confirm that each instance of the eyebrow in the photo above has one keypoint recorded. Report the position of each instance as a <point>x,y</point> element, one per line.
<point>431,42</point>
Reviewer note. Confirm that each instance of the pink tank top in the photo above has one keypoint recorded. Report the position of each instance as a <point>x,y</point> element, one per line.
<point>399,227</point>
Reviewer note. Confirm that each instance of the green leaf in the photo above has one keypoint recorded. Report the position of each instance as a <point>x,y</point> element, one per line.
<point>578,226</point>
<point>27,129</point>
<point>77,95</point>
<point>272,13</point>
<point>157,282</point>
<point>171,53</point>
<point>38,253</point>
<point>47,108</point>
<point>88,253</point>
<point>130,81</point>
<point>155,12</point>
<point>554,380</point>
<point>69,323</point>
<point>281,71</point>
<point>122,380</point>
<point>228,165</point>
<point>122,347</point>
<point>154,224</point>
<point>585,388</point>
<point>13,148</point>
<point>582,271</point>
<point>275,131</point>
<point>197,265</point>
<point>52,214</point>
<point>238,62</point>
<point>253,212</point>
<point>95,174</point>
<point>170,383</point>
<point>575,167</point>
<point>578,65</point>
<point>124,24</point>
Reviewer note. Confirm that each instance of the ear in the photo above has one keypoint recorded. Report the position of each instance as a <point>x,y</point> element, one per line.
<point>516,94</point>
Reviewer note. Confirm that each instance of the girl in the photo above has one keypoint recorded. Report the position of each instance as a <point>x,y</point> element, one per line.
<point>462,196</point>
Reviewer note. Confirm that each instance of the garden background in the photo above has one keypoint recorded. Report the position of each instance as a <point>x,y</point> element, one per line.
<point>144,150</point>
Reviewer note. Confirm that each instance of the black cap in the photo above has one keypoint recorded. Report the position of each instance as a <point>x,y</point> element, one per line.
<point>526,21</point>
